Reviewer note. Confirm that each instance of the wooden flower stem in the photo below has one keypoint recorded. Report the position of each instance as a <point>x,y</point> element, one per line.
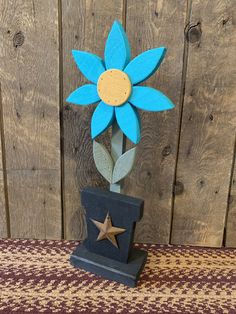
<point>118,146</point>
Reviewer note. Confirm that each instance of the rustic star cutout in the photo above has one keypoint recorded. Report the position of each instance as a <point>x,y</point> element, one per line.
<point>107,231</point>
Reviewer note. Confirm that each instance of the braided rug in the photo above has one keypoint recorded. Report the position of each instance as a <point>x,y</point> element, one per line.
<point>36,277</point>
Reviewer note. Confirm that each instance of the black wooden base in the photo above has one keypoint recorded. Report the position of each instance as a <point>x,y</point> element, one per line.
<point>127,274</point>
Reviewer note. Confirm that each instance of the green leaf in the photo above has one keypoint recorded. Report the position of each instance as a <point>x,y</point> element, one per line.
<point>103,161</point>
<point>124,165</point>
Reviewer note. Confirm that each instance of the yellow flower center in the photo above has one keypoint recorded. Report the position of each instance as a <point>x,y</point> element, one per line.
<point>114,87</point>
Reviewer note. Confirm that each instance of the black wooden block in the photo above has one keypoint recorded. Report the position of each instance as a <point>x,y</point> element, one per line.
<point>126,273</point>
<point>124,212</point>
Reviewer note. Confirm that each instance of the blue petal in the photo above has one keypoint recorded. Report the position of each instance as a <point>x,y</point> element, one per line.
<point>144,65</point>
<point>89,64</point>
<point>103,117</point>
<point>150,99</point>
<point>128,122</point>
<point>117,49</point>
<point>84,95</point>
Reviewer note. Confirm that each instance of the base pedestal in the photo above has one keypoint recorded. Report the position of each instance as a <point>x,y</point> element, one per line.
<point>126,273</point>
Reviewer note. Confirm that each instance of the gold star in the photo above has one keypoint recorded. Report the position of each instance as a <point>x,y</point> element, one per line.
<point>107,231</point>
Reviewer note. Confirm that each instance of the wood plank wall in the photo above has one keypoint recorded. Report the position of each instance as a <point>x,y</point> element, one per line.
<point>185,168</point>
<point>30,113</point>
<point>3,208</point>
<point>153,176</point>
<point>206,144</point>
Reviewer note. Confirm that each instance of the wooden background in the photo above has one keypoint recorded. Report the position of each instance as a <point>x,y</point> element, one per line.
<point>185,165</point>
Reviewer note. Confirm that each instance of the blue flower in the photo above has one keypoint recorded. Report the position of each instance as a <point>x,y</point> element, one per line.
<point>114,85</point>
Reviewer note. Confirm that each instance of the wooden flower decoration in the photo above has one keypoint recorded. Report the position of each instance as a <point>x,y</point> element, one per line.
<point>114,85</point>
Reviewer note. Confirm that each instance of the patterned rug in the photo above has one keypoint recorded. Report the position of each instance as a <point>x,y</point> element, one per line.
<point>36,277</point>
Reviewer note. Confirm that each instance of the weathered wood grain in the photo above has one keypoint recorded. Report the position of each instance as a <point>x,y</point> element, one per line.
<point>34,204</point>
<point>85,27</point>
<point>30,98</point>
<point>208,126</point>
<point>32,45</point>
<point>3,222</point>
<point>231,217</point>
<point>152,24</point>
<point>3,217</point>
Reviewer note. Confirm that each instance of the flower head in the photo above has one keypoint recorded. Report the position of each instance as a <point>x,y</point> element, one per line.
<point>114,83</point>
